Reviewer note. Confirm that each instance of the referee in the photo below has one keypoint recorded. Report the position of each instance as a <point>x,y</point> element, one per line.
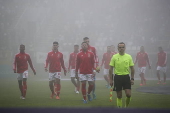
<point>121,62</point>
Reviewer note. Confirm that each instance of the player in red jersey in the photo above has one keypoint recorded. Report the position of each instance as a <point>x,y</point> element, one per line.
<point>72,65</point>
<point>55,61</point>
<point>161,64</point>
<point>113,49</point>
<point>20,66</point>
<point>106,60</point>
<point>142,59</point>
<point>85,62</point>
<point>92,49</point>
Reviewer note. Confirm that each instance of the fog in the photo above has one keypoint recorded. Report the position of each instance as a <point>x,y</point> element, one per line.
<point>37,23</point>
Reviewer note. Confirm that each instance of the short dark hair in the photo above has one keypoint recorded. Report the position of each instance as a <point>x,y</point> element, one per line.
<point>85,38</point>
<point>76,45</point>
<point>120,43</point>
<point>55,42</point>
<point>22,45</point>
<point>84,42</point>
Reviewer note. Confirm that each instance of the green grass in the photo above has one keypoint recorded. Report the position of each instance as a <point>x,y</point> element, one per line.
<point>38,95</point>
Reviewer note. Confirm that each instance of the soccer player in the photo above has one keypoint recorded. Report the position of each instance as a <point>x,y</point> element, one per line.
<point>161,64</point>
<point>20,66</point>
<point>106,60</point>
<point>121,63</point>
<point>85,65</point>
<point>113,49</point>
<point>55,61</point>
<point>92,49</point>
<point>142,59</point>
<point>72,65</point>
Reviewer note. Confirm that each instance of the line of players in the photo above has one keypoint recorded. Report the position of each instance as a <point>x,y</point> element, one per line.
<point>82,66</point>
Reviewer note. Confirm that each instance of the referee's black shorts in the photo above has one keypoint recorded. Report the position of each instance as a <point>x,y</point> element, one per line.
<point>121,82</point>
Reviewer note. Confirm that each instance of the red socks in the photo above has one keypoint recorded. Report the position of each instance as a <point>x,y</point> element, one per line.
<point>83,89</point>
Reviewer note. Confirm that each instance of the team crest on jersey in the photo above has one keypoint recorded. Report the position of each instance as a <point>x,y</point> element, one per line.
<point>58,55</point>
<point>52,55</point>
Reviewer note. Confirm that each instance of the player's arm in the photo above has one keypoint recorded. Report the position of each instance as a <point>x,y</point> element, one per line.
<point>148,61</point>
<point>136,59</point>
<point>131,65</point>
<point>165,59</point>
<point>62,64</point>
<point>69,64</point>
<point>103,60</point>
<point>15,64</point>
<point>96,57</point>
<point>77,66</point>
<point>30,63</point>
<point>93,65</point>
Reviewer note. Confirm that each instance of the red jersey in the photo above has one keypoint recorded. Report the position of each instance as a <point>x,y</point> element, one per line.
<point>93,50</point>
<point>106,59</point>
<point>55,61</point>
<point>162,58</point>
<point>20,62</point>
<point>85,62</point>
<point>72,60</point>
<point>142,59</point>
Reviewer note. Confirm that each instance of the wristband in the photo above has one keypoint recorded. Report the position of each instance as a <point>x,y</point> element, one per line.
<point>94,70</point>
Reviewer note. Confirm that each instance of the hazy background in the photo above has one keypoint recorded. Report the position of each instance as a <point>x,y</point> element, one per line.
<point>37,23</point>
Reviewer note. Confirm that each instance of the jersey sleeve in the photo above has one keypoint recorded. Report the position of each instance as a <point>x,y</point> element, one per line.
<point>62,62</point>
<point>47,61</point>
<point>69,64</point>
<point>77,62</point>
<point>30,63</point>
<point>15,63</point>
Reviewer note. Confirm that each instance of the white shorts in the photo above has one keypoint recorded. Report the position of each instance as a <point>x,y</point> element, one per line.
<point>163,69</point>
<point>141,70</point>
<point>88,77</point>
<point>22,75</point>
<point>53,76</point>
<point>106,71</point>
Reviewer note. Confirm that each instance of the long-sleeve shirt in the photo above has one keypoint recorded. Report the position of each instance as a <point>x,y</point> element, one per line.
<point>142,59</point>
<point>55,61</point>
<point>93,50</point>
<point>106,59</point>
<point>72,60</point>
<point>162,58</point>
<point>21,62</point>
<point>85,62</point>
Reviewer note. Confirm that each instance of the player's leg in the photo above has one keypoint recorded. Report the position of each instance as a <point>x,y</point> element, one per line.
<point>164,73</point>
<point>119,99</point>
<point>128,97</point>
<point>78,86</point>
<point>51,84</point>
<point>74,83</point>
<point>91,83</point>
<point>127,88</point>
<point>24,87</point>
<point>83,79</point>
<point>140,74</point>
<point>143,73</point>
<point>158,75</point>
<point>19,78</point>
<point>94,88</point>
<point>25,76</point>
<point>58,85</point>
<point>106,77</point>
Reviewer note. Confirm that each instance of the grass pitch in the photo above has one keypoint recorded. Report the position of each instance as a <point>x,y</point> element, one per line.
<point>38,95</point>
